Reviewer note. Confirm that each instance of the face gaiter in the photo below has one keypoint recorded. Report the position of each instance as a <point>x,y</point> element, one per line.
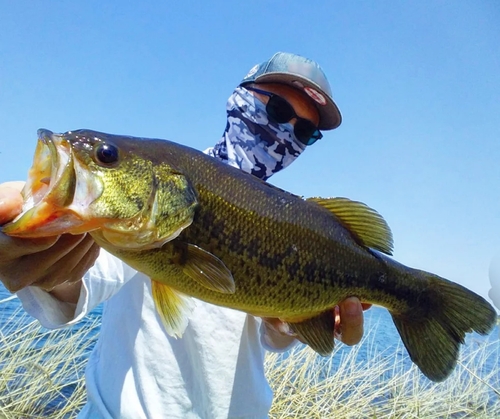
<point>253,143</point>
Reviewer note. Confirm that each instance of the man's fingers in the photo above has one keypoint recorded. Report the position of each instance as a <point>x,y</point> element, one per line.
<point>66,244</point>
<point>12,247</point>
<point>351,321</point>
<point>70,264</point>
<point>45,263</point>
<point>18,185</point>
<point>11,201</point>
<point>85,264</point>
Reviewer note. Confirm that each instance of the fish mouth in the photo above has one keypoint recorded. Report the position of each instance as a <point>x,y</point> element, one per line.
<point>49,191</point>
<point>61,193</point>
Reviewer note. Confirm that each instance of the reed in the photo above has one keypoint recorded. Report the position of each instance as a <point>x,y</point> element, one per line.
<point>382,384</point>
<point>41,371</point>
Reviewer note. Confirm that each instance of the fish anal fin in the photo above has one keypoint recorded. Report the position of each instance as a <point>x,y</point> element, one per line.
<point>364,223</point>
<point>172,307</point>
<point>208,270</point>
<point>317,332</point>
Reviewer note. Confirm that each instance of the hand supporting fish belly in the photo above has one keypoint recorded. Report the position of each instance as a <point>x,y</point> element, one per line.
<point>199,228</point>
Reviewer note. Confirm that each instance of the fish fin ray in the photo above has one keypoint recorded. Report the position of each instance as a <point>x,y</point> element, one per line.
<point>317,332</point>
<point>172,307</point>
<point>433,338</point>
<point>365,224</point>
<point>208,270</point>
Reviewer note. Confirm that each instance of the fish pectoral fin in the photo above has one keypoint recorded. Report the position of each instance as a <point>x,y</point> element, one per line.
<point>172,307</point>
<point>317,332</point>
<point>366,225</point>
<point>208,270</point>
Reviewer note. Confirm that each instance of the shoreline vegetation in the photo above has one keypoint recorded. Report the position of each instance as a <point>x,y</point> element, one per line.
<point>42,375</point>
<point>41,370</point>
<point>383,385</point>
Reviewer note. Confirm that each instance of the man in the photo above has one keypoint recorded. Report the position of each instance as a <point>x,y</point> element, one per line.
<point>216,369</point>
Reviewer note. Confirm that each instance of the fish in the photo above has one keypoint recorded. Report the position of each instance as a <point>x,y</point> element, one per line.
<point>200,228</point>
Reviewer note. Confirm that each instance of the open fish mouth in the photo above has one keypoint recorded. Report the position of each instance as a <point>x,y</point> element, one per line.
<point>72,187</point>
<point>49,191</point>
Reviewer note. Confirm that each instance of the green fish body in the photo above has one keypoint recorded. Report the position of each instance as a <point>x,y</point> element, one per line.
<point>200,228</point>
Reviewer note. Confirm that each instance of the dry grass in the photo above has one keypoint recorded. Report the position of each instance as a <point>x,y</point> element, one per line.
<point>382,385</point>
<point>41,371</point>
<point>41,375</point>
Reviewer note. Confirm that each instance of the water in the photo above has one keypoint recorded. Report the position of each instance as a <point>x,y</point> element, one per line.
<point>381,339</point>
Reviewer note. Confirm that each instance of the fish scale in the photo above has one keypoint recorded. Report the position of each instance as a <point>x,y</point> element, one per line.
<point>199,228</point>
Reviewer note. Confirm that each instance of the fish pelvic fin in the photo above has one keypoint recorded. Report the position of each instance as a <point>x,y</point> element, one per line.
<point>433,340</point>
<point>366,225</point>
<point>208,270</point>
<point>317,332</point>
<point>172,307</point>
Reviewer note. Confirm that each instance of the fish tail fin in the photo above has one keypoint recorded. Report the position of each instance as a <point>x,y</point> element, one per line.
<point>433,337</point>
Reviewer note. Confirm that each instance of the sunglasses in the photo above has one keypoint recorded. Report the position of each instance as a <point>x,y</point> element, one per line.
<point>280,111</point>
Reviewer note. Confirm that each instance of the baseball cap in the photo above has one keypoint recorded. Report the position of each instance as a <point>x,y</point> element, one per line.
<point>303,74</point>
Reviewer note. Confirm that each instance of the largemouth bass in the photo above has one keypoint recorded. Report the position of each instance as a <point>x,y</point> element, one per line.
<point>200,228</point>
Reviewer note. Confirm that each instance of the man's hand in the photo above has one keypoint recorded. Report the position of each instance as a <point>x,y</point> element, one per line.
<point>348,322</point>
<point>55,264</point>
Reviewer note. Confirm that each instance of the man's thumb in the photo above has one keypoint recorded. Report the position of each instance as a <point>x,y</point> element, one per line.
<point>11,201</point>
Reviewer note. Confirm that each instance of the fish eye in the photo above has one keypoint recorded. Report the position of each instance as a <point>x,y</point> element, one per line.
<point>106,154</point>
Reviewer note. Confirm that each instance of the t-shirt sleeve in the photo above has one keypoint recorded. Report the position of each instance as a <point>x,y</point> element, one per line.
<point>100,283</point>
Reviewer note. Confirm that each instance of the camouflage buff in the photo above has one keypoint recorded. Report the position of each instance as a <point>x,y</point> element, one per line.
<point>253,143</point>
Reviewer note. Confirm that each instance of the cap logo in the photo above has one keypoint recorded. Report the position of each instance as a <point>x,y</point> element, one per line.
<point>252,71</point>
<point>315,95</point>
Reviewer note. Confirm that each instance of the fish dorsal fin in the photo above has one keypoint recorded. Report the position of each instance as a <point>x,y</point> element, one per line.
<point>366,224</point>
<point>172,307</point>
<point>208,270</point>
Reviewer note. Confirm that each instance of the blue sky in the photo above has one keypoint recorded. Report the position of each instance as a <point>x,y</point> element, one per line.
<point>417,83</point>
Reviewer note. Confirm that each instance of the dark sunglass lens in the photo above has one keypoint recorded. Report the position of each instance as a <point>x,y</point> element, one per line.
<point>306,132</point>
<point>279,109</point>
